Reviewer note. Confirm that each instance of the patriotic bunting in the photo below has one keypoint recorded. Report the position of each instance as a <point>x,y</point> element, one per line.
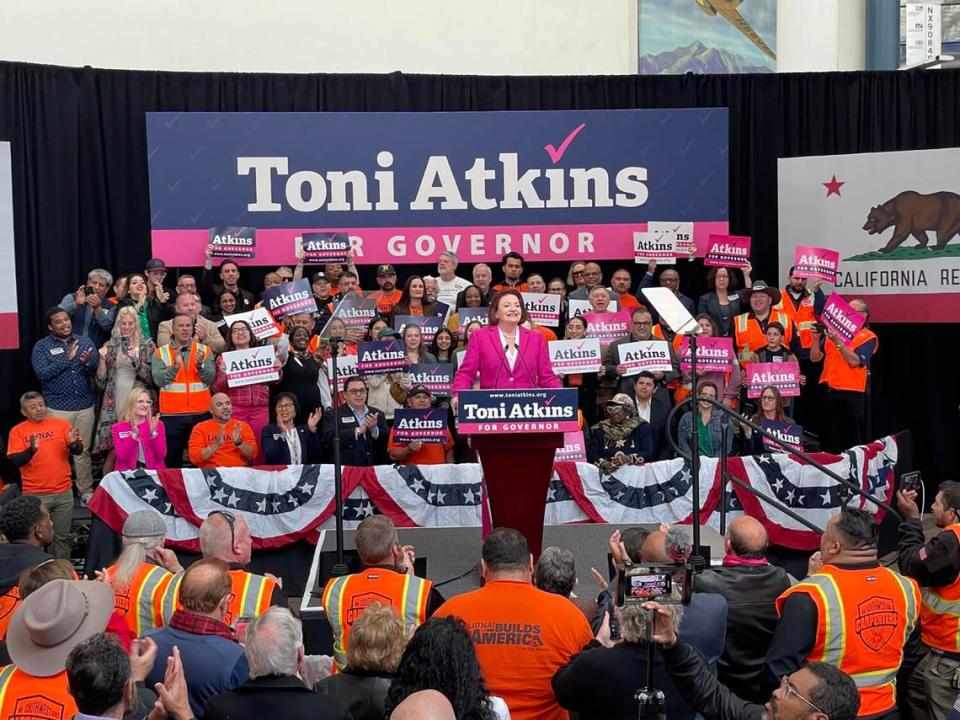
<point>286,504</point>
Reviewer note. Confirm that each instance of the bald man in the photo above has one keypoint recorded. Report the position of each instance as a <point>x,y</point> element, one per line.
<point>424,705</point>
<point>751,585</point>
<point>225,536</point>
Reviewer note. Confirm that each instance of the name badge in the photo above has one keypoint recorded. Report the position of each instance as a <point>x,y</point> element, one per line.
<point>56,351</point>
<point>279,437</point>
<point>348,419</point>
<point>124,434</point>
<point>733,296</point>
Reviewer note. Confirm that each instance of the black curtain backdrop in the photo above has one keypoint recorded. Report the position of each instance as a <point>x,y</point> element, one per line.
<point>81,199</point>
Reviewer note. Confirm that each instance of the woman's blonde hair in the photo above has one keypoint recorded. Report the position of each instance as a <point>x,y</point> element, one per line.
<point>377,640</point>
<point>137,336</point>
<point>126,412</point>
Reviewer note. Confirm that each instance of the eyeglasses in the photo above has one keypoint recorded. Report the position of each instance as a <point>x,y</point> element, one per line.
<point>642,323</point>
<point>768,397</point>
<point>285,406</point>
<point>357,391</point>
<point>577,272</point>
<point>787,688</point>
<point>231,521</point>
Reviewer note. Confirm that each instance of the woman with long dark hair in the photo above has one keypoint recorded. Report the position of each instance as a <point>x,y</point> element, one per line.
<point>443,346</point>
<point>440,656</point>
<point>414,300</point>
<point>251,403</point>
<point>721,301</point>
<point>769,407</point>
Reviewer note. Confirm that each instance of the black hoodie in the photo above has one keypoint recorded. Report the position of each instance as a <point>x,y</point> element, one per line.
<point>15,558</point>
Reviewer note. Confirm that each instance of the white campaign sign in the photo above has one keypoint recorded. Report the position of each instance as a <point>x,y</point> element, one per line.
<point>650,355</point>
<point>251,366</point>
<point>260,321</point>
<point>575,356</point>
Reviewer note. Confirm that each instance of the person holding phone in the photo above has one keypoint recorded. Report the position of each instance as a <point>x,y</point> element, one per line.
<point>124,361</point>
<point>363,430</point>
<point>87,308</point>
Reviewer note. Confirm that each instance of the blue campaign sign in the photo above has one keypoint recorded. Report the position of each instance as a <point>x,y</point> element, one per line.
<point>789,433</point>
<point>436,377</point>
<point>428,426</point>
<point>403,186</point>
<point>482,412</point>
<point>379,357</point>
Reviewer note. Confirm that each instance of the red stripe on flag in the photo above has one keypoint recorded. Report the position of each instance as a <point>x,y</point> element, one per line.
<point>567,472</point>
<point>9,331</point>
<point>382,500</point>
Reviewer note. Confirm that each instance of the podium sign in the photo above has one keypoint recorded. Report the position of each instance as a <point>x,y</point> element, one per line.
<point>482,412</point>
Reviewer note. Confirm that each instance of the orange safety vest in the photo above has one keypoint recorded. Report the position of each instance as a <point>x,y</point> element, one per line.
<point>837,373</point>
<point>250,595</point>
<point>749,337</point>
<point>940,612</point>
<point>803,317</point>
<point>346,597</point>
<point>864,618</point>
<point>148,602</point>
<point>9,602</point>
<point>26,697</point>
<point>186,393</point>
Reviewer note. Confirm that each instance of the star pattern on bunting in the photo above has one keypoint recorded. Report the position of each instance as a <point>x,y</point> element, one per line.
<point>258,503</point>
<point>445,495</point>
<point>149,490</point>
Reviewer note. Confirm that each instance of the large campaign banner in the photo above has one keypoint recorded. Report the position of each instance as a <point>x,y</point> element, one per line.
<point>9,329</point>
<point>894,218</point>
<point>552,185</point>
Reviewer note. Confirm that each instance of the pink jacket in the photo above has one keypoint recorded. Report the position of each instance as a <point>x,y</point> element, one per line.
<point>485,355</point>
<point>154,449</point>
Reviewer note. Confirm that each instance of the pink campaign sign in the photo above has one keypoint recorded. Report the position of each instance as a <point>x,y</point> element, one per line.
<point>815,262</point>
<point>840,317</point>
<point>404,245</point>
<point>784,376</point>
<point>727,251</point>
<point>714,354</point>
<point>608,326</point>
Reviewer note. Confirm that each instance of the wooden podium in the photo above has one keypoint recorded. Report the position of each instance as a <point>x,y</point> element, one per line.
<point>517,469</point>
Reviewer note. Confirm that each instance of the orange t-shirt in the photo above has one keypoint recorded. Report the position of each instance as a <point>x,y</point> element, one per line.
<point>628,301</point>
<point>428,454</point>
<point>548,334</point>
<point>522,636</point>
<point>519,287</point>
<point>228,454</point>
<point>49,469</point>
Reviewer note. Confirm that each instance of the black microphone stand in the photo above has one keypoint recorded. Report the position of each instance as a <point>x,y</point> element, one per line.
<point>652,702</point>
<point>340,567</point>
<point>697,558</point>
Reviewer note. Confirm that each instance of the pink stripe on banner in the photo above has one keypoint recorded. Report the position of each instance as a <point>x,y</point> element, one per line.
<point>9,331</point>
<point>372,246</point>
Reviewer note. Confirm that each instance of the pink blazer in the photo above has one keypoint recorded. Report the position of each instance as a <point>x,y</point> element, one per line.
<point>485,355</point>
<point>154,450</point>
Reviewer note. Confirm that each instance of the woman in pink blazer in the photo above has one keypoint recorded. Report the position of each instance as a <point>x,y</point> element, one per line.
<point>139,436</point>
<point>506,355</point>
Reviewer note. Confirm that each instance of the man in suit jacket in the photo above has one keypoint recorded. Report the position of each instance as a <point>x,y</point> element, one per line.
<point>205,331</point>
<point>641,328</point>
<point>669,278</point>
<point>274,690</point>
<point>363,430</point>
<point>653,405</point>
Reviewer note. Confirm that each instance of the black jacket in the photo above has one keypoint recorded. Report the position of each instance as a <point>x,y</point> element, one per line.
<point>702,690</point>
<point>936,567</point>
<point>14,559</point>
<point>273,697</point>
<point>751,620</point>
<point>709,303</point>
<point>660,406</point>
<point>363,694</point>
<point>276,451</point>
<point>360,451</point>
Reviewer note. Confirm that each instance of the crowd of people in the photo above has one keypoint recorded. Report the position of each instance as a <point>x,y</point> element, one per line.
<point>854,638</point>
<point>132,374</point>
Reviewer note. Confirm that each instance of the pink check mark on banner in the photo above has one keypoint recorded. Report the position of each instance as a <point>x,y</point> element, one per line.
<point>549,402</point>
<point>557,153</point>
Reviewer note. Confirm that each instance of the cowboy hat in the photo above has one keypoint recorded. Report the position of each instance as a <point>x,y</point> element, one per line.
<point>761,286</point>
<point>55,619</point>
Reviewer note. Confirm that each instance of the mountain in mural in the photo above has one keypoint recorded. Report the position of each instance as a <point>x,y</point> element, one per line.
<point>697,58</point>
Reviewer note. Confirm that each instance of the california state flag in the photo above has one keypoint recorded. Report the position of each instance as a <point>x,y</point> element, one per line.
<point>894,217</point>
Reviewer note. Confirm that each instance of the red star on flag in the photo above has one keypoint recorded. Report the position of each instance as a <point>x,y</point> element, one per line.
<point>833,186</point>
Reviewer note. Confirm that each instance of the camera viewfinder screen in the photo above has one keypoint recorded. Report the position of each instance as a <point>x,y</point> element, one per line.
<point>650,586</point>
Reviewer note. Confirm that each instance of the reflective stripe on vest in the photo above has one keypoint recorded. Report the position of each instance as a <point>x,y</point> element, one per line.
<point>940,611</point>
<point>175,396</point>
<point>171,598</point>
<point>249,601</point>
<point>412,603</point>
<point>146,603</point>
<point>840,625</point>
<point>5,676</point>
<point>803,317</point>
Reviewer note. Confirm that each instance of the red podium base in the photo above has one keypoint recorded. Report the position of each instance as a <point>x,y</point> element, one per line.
<point>517,470</point>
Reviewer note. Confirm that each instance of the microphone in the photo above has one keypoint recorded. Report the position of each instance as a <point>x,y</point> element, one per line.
<point>678,545</point>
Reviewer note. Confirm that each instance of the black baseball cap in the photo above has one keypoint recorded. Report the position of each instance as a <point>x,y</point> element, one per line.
<point>386,270</point>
